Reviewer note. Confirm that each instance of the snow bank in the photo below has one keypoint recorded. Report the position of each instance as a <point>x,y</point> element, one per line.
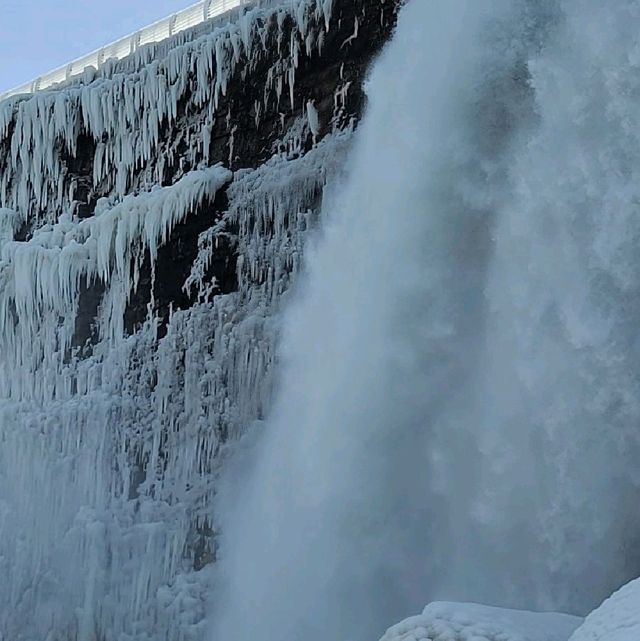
<point>617,619</point>
<point>442,621</point>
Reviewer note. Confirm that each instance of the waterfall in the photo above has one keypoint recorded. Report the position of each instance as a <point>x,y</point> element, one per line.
<point>458,400</point>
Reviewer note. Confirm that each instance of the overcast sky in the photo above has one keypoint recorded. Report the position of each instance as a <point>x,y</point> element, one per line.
<point>37,36</point>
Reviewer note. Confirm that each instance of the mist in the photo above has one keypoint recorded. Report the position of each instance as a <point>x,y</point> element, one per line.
<point>456,410</point>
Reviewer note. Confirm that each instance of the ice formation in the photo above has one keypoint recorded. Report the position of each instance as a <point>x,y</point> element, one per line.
<point>44,275</point>
<point>110,436</point>
<point>127,105</point>
<point>474,290</point>
<point>125,440</point>
<point>617,619</point>
<point>472,622</point>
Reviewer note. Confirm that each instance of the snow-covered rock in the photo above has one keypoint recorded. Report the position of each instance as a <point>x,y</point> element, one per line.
<point>441,621</point>
<point>617,619</point>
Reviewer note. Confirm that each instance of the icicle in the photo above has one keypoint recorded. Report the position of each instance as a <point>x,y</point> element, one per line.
<point>313,120</point>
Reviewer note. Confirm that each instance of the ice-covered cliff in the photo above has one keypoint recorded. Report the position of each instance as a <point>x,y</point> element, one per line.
<point>455,410</point>
<point>152,215</point>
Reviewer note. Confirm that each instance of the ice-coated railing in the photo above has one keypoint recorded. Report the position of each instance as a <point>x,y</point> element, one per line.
<point>165,28</point>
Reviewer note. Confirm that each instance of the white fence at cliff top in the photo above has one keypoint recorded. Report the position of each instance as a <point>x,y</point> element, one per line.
<point>165,28</point>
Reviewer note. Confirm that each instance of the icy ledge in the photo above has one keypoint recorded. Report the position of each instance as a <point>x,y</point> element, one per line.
<point>471,622</point>
<point>617,619</point>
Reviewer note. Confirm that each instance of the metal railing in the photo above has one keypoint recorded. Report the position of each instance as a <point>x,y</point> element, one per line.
<point>165,28</point>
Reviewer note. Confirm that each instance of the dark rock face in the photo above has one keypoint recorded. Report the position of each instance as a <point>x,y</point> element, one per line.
<point>173,265</point>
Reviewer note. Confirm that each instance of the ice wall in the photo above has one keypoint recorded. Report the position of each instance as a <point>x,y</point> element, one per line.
<point>108,461</point>
<point>111,432</point>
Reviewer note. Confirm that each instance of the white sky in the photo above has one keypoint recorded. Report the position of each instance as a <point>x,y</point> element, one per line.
<point>37,36</point>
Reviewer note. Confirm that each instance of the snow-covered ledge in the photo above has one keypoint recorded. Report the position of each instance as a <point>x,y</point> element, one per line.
<point>617,619</point>
<point>472,622</point>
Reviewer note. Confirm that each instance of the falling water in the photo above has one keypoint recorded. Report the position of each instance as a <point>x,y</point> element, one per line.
<point>459,395</point>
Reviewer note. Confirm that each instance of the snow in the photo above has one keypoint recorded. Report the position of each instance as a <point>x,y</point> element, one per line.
<point>617,619</point>
<point>442,621</point>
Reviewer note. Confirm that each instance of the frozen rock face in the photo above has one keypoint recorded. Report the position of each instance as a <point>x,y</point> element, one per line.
<point>152,216</point>
<point>617,619</point>
<point>472,622</point>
